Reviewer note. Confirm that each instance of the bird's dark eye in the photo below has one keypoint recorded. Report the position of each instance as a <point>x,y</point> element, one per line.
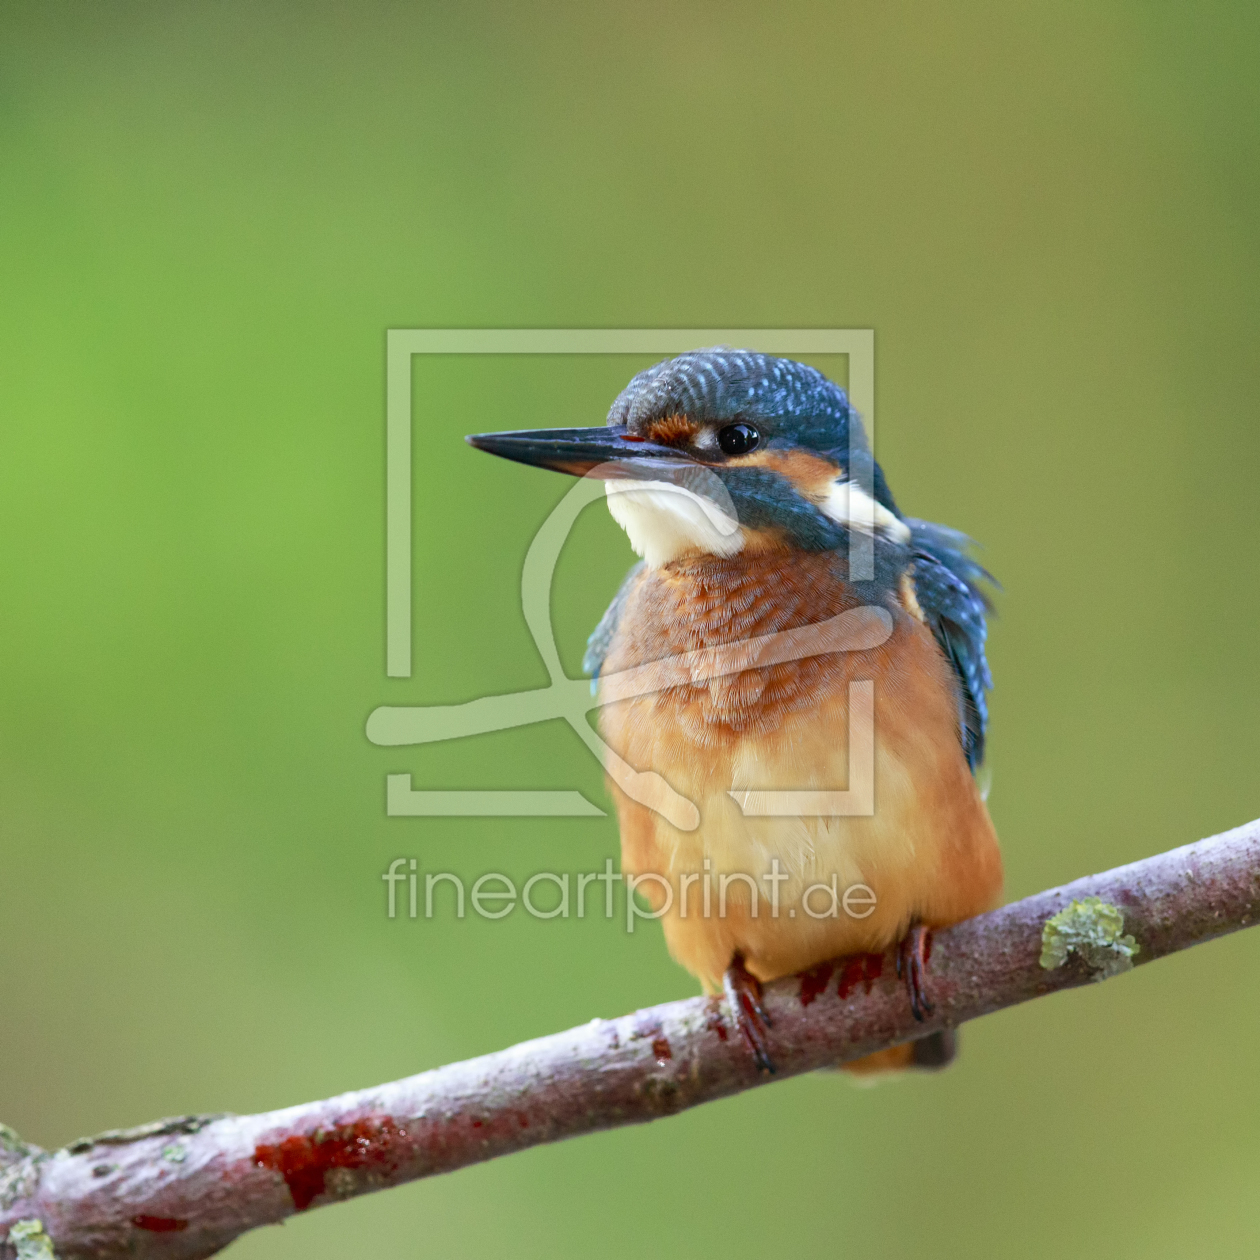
<point>738,439</point>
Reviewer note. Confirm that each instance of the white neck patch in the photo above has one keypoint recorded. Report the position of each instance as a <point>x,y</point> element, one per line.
<point>849,505</point>
<point>664,521</point>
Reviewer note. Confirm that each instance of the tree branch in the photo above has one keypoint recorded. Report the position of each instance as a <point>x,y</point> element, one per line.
<point>186,1187</point>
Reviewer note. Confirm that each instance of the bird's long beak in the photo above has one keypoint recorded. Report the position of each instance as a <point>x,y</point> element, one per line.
<point>610,448</point>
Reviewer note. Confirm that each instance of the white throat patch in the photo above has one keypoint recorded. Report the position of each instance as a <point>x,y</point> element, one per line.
<point>664,521</point>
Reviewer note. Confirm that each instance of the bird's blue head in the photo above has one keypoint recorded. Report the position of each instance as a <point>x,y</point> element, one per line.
<point>723,450</point>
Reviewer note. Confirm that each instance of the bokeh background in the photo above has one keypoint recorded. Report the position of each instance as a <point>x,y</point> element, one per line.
<point>211,213</point>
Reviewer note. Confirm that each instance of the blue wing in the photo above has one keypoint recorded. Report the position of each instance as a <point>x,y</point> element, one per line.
<point>948,583</point>
<point>602,636</point>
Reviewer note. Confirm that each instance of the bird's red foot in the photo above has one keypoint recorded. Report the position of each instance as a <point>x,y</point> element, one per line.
<point>743,992</point>
<point>912,957</point>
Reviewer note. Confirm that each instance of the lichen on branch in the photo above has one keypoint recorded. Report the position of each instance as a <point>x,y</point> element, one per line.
<point>1093,929</point>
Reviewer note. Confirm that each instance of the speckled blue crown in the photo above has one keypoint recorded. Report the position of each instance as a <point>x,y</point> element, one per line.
<point>788,400</point>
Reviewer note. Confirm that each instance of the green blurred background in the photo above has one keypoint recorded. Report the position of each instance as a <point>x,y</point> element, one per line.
<point>209,216</point>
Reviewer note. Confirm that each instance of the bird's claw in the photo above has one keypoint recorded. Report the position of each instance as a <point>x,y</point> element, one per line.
<point>743,994</point>
<point>912,959</point>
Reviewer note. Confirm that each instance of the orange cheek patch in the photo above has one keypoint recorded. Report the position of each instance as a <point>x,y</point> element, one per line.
<point>671,429</point>
<point>813,475</point>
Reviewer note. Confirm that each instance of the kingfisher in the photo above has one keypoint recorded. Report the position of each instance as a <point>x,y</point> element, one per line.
<point>747,485</point>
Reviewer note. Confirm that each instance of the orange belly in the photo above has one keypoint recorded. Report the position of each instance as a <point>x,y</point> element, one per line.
<point>927,853</point>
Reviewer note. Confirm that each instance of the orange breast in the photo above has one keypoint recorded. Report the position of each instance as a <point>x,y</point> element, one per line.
<point>927,852</point>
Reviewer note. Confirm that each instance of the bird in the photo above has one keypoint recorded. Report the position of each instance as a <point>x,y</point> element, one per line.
<point>747,485</point>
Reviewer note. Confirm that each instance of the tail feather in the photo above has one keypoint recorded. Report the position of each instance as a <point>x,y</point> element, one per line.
<point>929,1054</point>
